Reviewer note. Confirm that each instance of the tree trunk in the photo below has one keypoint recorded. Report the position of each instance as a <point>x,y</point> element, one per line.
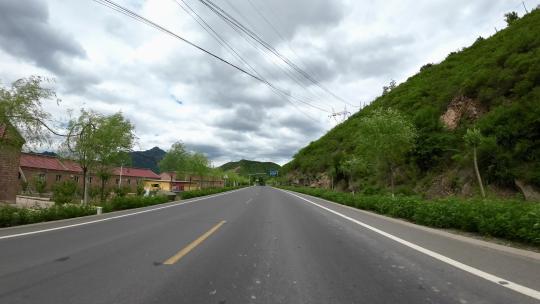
<point>84,193</point>
<point>392,181</point>
<point>478,177</point>
<point>102,189</point>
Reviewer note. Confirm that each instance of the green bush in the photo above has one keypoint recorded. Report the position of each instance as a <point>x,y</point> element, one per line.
<point>130,202</point>
<point>64,192</point>
<point>203,192</point>
<point>12,216</point>
<point>508,219</point>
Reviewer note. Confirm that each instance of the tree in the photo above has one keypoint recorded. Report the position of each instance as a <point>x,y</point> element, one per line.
<point>384,139</point>
<point>21,106</point>
<point>473,138</point>
<point>392,85</point>
<point>96,142</point>
<point>510,18</point>
<point>176,159</point>
<point>115,138</point>
<point>199,165</point>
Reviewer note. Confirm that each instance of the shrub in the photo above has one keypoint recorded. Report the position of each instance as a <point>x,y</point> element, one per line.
<point>40,185</point>
<point>203,192</point>
<point>122,191</point>
<point>64,192</point>
<point>140,189</point>
<point>508,219</point>
<point>12,216</point>
<point>129,202</point>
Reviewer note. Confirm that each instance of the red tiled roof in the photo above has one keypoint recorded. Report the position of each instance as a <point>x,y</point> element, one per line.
<point>136,172</point>
<point>71,165</point>
<point>37,161</point>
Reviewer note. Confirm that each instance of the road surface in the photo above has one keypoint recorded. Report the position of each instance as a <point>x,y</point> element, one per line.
<point>256,245</point>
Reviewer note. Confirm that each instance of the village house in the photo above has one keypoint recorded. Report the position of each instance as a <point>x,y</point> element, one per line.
<point>51,170</point>
<point>170,181</point>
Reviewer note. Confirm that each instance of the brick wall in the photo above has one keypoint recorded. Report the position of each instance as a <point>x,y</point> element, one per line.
<point>9,171</point>
<point>50,177</point>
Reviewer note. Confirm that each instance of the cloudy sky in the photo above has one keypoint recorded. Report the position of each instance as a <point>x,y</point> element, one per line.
<point>107,62</point>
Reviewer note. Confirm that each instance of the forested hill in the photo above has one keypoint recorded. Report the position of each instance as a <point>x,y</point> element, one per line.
<point>147,159</point>
<point>492,85</point>
<point>245,167</point>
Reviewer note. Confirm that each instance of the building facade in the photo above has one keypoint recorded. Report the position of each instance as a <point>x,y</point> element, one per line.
<point>10,151</point>
<point>36,168</point>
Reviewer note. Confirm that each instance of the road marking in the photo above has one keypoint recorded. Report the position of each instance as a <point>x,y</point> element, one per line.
<point>114,217</point>
<point>487,276</point>
<point>175,258</point>
<point>249,201</point>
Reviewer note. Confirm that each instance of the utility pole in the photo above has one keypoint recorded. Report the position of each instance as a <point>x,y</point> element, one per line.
<point>526,10</point>
<point>343,115</point>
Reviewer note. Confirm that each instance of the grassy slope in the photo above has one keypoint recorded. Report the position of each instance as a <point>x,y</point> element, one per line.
<point>502,73</point>
<point>244,167</point>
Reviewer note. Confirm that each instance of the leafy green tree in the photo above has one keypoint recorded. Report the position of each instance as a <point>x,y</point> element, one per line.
<point>176,159</point>
<point>392,85</point>
<point>199,165</point>
<point>40,185</point>
<point>64,192</point>
<point>115,137</point>
<point>384,139</point>
<point>21,106</point>
<point>510,18</point>
<point>473,138</point>
<point>96,142</point>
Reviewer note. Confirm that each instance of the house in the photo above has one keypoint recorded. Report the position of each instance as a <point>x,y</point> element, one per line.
<point>51,170</point>
<point>170,181</point>
<point>10,151</point>
<point>132,177</point>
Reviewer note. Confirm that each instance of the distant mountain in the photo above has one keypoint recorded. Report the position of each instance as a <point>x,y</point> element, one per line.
<point>147,159</point>
<point>48,153</point>
<point>245,167</point>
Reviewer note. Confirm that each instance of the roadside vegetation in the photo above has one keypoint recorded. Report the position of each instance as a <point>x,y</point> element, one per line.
<point>470,127</point>
<point>507,219</point>
<point>204,192</point>
<point>98,143</point>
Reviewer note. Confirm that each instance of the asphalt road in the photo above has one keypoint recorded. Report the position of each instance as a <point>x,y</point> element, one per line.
<point>256,245</point>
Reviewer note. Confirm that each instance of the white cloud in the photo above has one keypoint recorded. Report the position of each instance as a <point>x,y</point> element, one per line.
<point>171,91</point>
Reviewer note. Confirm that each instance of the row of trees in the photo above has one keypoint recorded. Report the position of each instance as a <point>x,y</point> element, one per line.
<point>184,162</point>
<point>385,139</point>
<point>95,141</point>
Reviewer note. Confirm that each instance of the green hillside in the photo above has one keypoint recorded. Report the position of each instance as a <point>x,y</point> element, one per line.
<point>493,85</point>
<point>147,159</point>
<point>245,167</point>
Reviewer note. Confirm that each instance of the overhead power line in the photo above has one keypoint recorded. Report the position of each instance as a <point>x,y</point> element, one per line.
<point>116,7</point>
<point>230,19</point>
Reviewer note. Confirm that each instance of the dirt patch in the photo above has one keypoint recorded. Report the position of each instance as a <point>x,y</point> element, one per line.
<point>461,107</point>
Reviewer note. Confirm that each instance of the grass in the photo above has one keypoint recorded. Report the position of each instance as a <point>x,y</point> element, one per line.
<point>507,219</point>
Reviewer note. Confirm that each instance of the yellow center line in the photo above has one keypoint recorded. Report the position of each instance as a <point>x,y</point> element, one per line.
<point>175,258</point>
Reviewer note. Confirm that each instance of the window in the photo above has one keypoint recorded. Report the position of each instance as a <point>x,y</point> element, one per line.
<point>58,177</point>
<point>76,178</point>
<point>19,175</point>
<point>117,181</point>
<point>42,176</point>
<point>90,180</point>
<point>129,181</point>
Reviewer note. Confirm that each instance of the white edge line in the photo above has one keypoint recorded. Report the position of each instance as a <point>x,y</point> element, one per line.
<point>114,217</point>
<point>487,276</point>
